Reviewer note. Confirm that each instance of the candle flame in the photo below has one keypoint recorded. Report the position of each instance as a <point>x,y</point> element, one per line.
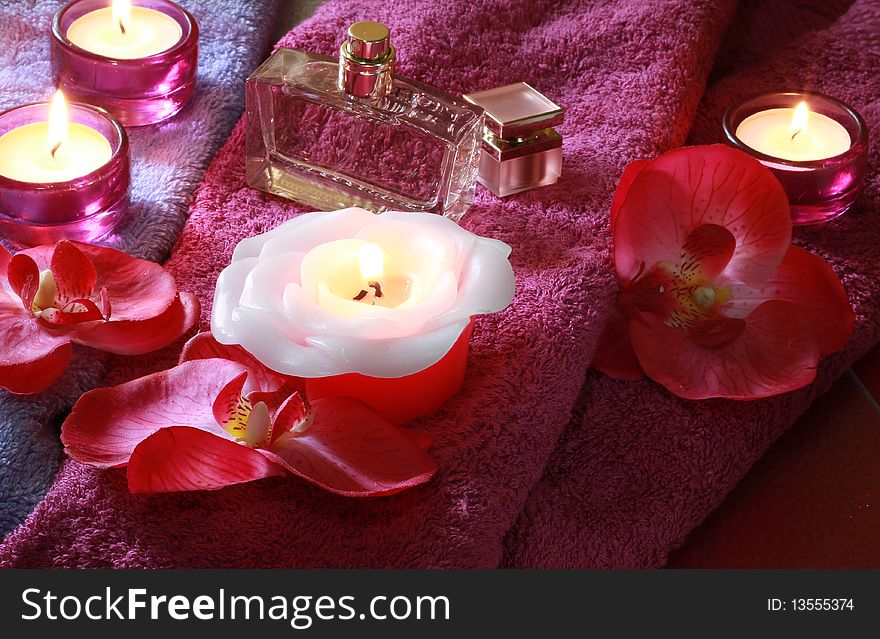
<point>372,262</point>
<point>122,14</point>
<point>57,123</point>
<point>799,120</point>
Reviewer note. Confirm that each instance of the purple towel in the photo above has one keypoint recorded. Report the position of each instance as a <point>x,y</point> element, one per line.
<point>168,162</point>
<point>630,75</point>
<point>637,468</point>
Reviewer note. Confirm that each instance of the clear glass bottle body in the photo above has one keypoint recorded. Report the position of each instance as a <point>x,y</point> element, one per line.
<point>414,148</point>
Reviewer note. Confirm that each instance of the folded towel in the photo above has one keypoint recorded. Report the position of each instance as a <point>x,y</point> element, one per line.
<point>639,468</point>
<point>630,75</point>
<point>168,161</point>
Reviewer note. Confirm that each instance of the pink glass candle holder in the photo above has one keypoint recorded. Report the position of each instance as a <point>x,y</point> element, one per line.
<point>82,209</point>
<point>137,91</point>
<point>818,190</point>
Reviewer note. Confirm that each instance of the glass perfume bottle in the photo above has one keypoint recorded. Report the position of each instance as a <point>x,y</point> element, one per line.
<point>335,133</point>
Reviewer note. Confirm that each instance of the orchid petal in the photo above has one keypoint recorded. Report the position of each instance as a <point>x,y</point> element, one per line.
<point>138,289</point>
<point>136,337</point>
<point>36,375</point>
<point>706,252</point>
<point>807,281</point>
<point>24,278</point>
<point>350,450</point>
<point>204,346</point>
<point>75,311</point>
<point>684,188</point>
<point>107,424</point>
<point>389,357</point>
<point>74,273</point>
<point>614,354</point>
<point>420,439</point>
<point>181,458</point>
<point>629,174</point>
<point>227,405</point>
<point>775,351</point>
<point>32,358</point>
<point>292,415</point>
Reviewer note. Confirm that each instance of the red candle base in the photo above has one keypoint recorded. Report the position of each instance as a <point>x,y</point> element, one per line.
<point>400,399</point>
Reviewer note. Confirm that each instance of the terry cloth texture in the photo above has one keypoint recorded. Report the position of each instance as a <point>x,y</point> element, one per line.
<point>168,162</point>
<point>630,75</point>
<point>638,468</point>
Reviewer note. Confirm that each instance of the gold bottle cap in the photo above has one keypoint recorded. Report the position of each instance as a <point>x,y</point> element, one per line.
<point>366,60</point>
<point>368,40</point>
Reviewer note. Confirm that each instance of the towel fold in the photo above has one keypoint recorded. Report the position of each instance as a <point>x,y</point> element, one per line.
<point>630,75</point>
<point>638,468</point>
<point>168,162</point>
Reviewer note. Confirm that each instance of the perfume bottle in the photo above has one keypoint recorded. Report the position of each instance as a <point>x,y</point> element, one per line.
<point>521,149</point>
<point>335,133</point>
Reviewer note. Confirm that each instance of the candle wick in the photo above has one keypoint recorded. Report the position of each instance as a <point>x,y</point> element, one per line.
<point>55,149</point>
<point>360,296</point>
<point>376,287</point>
<point>121,26</point>
<point>794,135</point>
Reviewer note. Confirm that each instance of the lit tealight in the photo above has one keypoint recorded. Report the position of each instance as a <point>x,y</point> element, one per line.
<point>53,151</point>
<point>797,134</point>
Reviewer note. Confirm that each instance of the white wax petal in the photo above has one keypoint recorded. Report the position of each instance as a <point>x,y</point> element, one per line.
<point>486,285</point>
<point>284,356</point>
<point>387,358</point>
<point>264,286</point>
<point>227,294</point>
<point>424,252</point>
<point>305,231</point>
<point>314,229</point>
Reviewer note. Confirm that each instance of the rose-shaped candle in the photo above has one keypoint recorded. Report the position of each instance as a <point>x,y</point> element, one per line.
<point>374,307</point>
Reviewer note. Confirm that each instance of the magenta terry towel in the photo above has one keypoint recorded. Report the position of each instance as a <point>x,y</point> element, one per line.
<point>638,468</point>
<point>630,75</point>
<point>168,161</point>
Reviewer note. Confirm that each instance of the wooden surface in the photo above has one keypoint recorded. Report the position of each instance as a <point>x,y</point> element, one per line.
<point>813,501</point>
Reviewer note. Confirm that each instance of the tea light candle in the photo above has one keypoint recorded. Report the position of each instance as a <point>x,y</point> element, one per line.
<point>816,146</point>
<point>64,172</point>
<point>794,134</point>
<point>136,60</point>
<point>124,32</point>
<point>52,151</point>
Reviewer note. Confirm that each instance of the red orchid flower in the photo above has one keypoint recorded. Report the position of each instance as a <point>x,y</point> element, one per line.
<point>221,418</point>
<point>714,300</point>
<point>55,295</point>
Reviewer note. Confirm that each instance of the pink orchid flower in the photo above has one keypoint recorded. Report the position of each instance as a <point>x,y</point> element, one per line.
<point>714,300</point>
<point>56,295</point>
<point>221,418</point>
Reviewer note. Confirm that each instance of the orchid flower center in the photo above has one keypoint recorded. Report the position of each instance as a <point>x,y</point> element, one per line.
<point>674,294</point>
<point>47,292</point>
<point>250,425</point>
<point>705,296</point>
